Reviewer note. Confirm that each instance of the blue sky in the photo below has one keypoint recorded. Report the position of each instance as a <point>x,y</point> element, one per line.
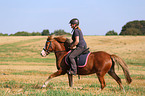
<point>97,17</point>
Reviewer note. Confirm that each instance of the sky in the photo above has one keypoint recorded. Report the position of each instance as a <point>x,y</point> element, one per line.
<point>96,17</point>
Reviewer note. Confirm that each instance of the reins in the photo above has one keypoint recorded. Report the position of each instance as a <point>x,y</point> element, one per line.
<point>50,46</point>
<point>60,51</point>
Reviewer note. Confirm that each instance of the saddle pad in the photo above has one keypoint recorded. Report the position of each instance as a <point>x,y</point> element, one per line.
<point>81,61</point>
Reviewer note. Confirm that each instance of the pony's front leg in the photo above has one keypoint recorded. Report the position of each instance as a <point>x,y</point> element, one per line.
<point>58,73</point>
<point>70,78</point>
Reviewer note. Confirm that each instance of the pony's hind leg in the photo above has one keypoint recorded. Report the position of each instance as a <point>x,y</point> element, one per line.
<point>112,73</point>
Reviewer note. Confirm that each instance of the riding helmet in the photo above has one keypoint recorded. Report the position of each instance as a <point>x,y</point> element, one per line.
<point>74,21</point>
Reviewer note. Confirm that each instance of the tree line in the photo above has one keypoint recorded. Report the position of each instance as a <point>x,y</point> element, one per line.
<point>43,33</point>
<point>131,28</point>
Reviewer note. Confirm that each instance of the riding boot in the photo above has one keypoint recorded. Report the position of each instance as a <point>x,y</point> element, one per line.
<point>74,68</point>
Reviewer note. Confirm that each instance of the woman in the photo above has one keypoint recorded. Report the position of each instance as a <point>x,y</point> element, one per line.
<point>79,42</point>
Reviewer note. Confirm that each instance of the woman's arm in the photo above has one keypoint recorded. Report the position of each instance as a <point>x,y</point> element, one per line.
<point>76,42</point>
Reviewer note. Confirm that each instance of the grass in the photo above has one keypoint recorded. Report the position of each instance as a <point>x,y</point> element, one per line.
<point>31,72</point>
<point>23,70</point>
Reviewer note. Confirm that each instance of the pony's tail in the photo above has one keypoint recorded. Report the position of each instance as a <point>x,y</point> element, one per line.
<point>120,62</point>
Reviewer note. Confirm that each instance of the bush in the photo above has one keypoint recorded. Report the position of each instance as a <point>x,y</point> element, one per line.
<point>111,33</point>
<point>1,34</point>
<point>36,34</point>
<point>60,32</point>
<point>22,33</point>
<point>45,32</point>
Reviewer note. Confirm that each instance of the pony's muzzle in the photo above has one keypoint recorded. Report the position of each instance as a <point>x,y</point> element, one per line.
<point>43,53</point>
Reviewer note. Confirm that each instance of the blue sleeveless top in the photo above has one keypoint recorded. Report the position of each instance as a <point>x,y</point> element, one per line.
<point>79,33</point>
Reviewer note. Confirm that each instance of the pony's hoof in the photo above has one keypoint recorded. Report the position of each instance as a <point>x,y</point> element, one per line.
<point>123,90</point>
<point>43,86</point>
<point>99,90</point>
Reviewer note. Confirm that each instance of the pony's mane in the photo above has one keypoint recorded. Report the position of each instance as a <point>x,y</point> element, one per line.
<point>65,41</point>
<point>60,39</point>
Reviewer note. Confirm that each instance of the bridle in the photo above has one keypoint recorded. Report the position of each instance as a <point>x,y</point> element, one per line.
<point>50,46</point>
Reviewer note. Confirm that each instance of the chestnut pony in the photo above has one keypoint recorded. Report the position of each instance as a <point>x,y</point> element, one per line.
<point>98,62</point>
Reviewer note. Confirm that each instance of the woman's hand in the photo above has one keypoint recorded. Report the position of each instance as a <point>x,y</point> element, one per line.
<point>71,47</point>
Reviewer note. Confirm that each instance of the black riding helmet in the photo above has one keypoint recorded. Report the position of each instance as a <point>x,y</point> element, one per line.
<point>74,21</point>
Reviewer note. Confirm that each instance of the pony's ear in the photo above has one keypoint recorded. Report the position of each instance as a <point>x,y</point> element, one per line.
<point>49,38</point>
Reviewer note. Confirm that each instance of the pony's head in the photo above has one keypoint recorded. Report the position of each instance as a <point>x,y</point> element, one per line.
<point>56,44</point>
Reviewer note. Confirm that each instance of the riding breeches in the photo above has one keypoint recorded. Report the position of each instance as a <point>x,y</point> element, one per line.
<point>77,51</point>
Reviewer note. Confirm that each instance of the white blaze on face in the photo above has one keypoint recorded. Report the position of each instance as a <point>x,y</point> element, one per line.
<point>43,53</point>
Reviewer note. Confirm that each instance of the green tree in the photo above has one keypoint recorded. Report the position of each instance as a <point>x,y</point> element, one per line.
<point>112,32</point>
<point>5,35</point>
<point>131,31</point>
<point>11,35</point>
<point>22,33</point>
<point>1,34</point>
<point>45,32</point>
<point>133,28</point>
<point>36,34</point>
<point>60,32</point>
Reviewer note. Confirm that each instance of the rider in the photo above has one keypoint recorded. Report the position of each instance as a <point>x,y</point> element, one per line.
<point>79,42</point>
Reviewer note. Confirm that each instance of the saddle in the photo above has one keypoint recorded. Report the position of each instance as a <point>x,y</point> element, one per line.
<point>81,60</point>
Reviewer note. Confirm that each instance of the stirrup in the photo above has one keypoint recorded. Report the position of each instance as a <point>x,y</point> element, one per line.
<point>70,72</point>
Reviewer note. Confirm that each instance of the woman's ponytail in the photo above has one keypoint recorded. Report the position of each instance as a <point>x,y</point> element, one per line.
<point>79,28</point>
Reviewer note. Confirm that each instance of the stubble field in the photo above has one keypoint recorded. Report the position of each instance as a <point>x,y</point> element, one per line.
<point>23,70</point>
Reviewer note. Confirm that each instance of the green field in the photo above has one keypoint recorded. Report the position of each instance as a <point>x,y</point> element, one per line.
<point>23,70</point>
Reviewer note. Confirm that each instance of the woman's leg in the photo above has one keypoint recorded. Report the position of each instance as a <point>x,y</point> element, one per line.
<point>72,56</point>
